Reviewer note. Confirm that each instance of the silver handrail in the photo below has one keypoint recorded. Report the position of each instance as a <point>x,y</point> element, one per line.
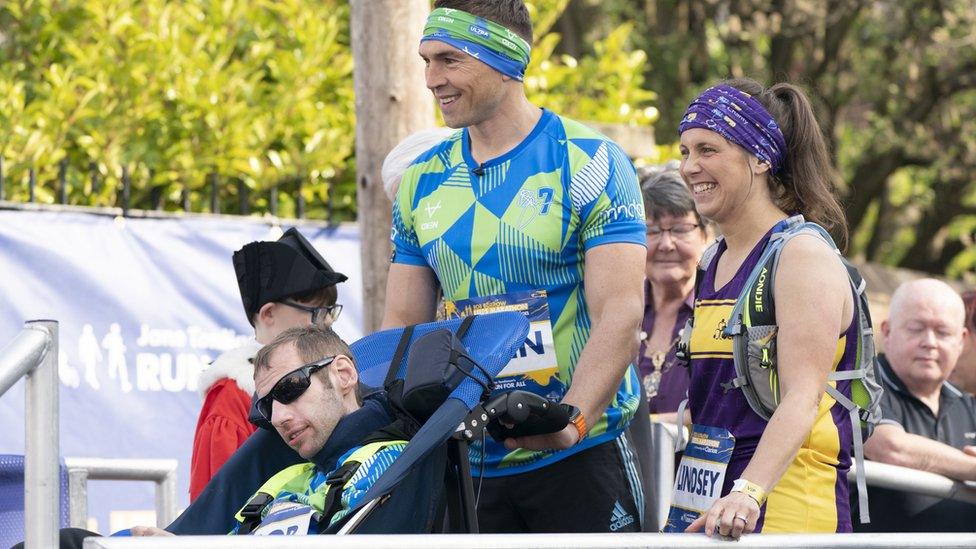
<point>543,541</point>
<point>162,472</point>
<point>904,479</point>
<point>34,353</point>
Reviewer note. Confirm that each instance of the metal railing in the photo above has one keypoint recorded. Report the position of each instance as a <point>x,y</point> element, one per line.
<point>34,353</point>
<point>216,192</point>
<point>160,471</point>
<point>903,479</point>
<point>543,541</point>
<point>664,437</point>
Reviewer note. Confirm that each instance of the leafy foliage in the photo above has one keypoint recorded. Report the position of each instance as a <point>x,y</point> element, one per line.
<point>894,82</point>
<point>606,86</point>
<point>258,92</point>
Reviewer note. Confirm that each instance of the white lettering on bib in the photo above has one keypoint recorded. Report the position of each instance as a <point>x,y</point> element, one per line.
<point>701,474</point>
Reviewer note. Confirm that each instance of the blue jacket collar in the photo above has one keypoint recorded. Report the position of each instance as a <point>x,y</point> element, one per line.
<point>352,429</point>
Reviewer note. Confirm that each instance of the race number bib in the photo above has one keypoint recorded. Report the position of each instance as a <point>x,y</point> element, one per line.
<point>534,366</point>
<point>287,519</point>
<point>701,474</point>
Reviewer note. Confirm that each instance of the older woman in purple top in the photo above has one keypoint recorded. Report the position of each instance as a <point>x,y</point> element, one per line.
<point>676,237</point>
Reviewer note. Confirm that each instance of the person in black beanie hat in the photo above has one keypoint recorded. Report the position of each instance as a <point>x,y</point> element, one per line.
<point>283,284</point>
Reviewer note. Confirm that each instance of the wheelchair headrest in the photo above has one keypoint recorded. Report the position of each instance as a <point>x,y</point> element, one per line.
<point>436,365</point>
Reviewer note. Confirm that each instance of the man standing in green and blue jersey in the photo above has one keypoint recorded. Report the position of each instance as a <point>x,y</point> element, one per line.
<point>522,209</point>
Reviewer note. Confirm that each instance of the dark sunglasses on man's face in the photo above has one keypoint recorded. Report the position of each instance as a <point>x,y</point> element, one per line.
<point>291,386</point>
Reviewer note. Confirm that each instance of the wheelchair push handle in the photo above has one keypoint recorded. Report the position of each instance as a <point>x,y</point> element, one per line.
<point>520,413</point>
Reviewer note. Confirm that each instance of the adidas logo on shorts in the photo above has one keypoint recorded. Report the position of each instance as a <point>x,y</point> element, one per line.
<point>619,517</point>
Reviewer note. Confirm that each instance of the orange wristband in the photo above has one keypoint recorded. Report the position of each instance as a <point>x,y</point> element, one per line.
<point>580,422</point>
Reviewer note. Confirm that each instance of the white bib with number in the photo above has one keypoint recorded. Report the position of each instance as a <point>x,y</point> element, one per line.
<point>701,474</point>
<point>286,519</point>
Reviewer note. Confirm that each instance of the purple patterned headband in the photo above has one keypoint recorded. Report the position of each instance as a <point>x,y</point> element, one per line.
<point>736,116</point>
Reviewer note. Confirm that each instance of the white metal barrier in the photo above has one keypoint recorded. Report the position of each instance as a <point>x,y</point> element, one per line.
<point>883,475</point>
<point>542,541</point>
<point>160,471</point>
<point>34,353</point>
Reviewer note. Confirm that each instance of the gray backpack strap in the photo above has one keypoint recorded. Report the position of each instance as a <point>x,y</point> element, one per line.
<point>735,383</point>
<point>845,375</point>
<point>870,412</point>
<point>862,486</point>
<point>709,255</point>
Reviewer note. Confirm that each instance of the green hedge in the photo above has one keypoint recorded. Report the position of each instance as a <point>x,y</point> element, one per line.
<point>259,92</point>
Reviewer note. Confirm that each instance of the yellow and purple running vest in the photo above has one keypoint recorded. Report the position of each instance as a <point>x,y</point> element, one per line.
<point>812,496</point>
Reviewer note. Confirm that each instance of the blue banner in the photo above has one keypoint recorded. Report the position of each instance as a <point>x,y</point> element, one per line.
<point>144,305</point>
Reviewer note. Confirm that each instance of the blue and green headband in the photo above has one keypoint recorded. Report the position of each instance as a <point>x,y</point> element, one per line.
<point>486,41</point>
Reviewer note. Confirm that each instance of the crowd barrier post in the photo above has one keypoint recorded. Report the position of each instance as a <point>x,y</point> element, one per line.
<point>162,472</point>
<point>663,439</point>
<point>34,353</point>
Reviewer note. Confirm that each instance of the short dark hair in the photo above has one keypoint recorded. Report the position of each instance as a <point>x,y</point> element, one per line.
<point>313,343</point>
<point>511,14</point>
<point>665,193</point>
<point>321,297</point>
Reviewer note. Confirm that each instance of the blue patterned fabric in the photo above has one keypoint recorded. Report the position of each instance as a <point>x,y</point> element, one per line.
<point>485,40</point>
<point>523,222</point>
<point>12,499</point>
<point>368,473</point>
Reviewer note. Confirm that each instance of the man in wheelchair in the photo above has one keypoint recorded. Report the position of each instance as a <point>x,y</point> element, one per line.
<point>307,387</point>
<point>308,390</point>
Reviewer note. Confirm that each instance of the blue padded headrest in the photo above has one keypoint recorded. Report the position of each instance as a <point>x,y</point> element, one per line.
<point>491,341</point>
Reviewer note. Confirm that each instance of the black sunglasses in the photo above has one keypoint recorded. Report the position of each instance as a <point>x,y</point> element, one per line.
<point>319,314</point>
<point>291,386</point>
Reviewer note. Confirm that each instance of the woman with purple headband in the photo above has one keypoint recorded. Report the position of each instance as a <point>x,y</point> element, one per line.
<point>754,157</point>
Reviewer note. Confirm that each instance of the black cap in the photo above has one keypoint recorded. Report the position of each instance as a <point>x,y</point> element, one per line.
<point>271,271</point>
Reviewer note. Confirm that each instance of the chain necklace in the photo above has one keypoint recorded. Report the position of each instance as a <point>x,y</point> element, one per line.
<point>652,381</point>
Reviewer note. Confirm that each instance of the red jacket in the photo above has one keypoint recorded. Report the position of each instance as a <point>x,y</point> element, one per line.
<point>222,428</point>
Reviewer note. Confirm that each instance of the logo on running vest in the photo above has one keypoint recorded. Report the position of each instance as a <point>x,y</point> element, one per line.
<point>760,288</point>
<point>432,209</point>
<point>633,210</point>
<point>533,205</point>
<point>619,517</point>
<point>720,330</point>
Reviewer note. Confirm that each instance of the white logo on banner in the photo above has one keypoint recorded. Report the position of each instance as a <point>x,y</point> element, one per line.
<point>114,347</point>
<point>166,359</point>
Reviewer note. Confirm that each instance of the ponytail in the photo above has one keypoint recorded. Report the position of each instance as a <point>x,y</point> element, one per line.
<point>808,180</point>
